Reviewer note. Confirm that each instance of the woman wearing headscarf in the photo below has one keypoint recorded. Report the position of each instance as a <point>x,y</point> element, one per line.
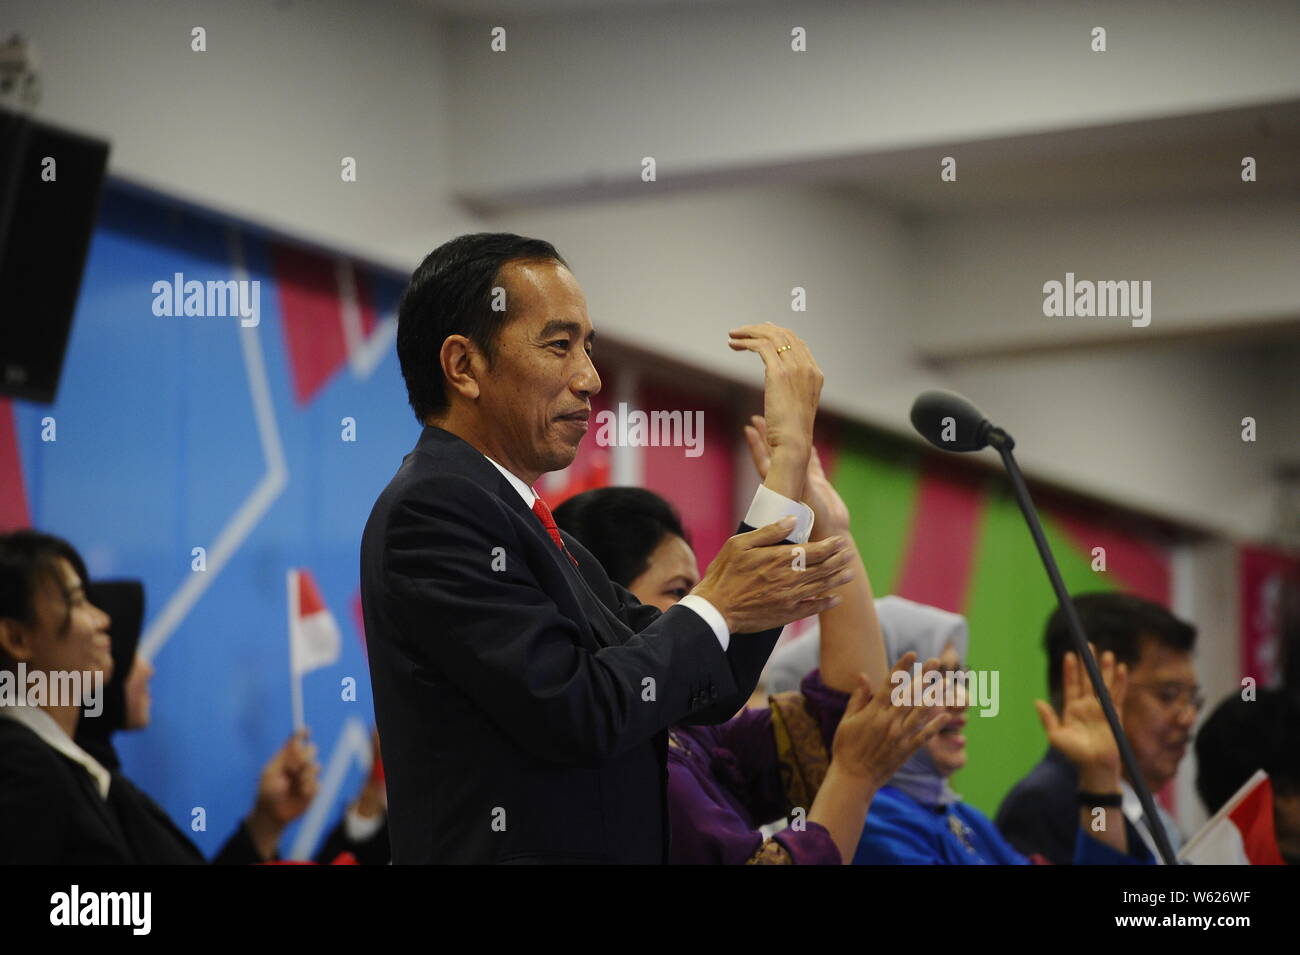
<point>363,831</point>
<point>917,819</point>
<point>817,755</point>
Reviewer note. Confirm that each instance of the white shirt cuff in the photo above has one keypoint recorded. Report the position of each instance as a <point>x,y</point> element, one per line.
<point>359,828</point>
<point>768,507</point>
<point>711,616</point>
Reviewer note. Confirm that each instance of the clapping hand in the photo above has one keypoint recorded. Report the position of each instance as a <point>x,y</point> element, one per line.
<point>876,737</point>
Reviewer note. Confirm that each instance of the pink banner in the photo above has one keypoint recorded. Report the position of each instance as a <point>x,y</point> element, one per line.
<point>1263,574</point>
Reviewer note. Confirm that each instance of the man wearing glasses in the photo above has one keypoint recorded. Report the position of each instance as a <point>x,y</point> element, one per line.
<point>1040,814</point>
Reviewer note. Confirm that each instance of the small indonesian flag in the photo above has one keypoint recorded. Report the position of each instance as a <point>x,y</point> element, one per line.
<point>314,638</point>
<point>1241,833</point>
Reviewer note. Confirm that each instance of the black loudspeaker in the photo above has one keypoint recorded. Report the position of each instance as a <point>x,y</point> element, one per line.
<point>47,216</point>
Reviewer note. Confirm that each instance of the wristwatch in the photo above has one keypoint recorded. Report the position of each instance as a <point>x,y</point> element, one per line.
<point>1090,800</point>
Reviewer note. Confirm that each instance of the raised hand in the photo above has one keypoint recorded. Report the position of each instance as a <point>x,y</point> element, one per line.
<point>830,513</point>
<point>792,385</point>
<point>1081,731</point>
<point>285,790</point>
<point>876,737</point>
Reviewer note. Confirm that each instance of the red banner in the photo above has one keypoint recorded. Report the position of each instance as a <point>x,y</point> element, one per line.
<point>1263,575</point>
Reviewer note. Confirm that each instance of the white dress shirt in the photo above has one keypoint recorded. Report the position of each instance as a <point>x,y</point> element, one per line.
<point>767,507</point>
<point>1132,808</point>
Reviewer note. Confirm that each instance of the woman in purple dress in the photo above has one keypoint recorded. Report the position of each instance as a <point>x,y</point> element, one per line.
<point>814,757</point>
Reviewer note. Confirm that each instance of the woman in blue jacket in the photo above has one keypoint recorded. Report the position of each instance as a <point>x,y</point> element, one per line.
<point>918,820</point>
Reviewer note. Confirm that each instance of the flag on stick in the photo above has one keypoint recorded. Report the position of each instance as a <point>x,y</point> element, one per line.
<point>314,638</point>
<point>1241,833</point>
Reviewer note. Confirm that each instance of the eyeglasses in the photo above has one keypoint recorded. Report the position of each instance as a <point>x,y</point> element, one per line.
<point>1171,695</point>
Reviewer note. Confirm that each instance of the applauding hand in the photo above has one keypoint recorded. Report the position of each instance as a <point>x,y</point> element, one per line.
<point>1081,731</point>
<point>876,737</point>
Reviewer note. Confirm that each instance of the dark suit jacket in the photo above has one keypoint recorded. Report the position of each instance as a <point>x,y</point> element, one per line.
<point>1041,813</point>
<point>522,703</point>
<point>52,814</point>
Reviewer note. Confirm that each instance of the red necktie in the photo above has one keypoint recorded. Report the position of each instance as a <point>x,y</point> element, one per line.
<point>548,521</point>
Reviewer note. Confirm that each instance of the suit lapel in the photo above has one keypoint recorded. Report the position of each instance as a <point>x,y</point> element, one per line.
<point>596,616</point>
<point>599,621</point>
<point>604,622</point>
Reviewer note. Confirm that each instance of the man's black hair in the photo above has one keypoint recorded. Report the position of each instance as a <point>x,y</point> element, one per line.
<point>1116,622</point>
<point>450,293</point>
<point>621,526</point>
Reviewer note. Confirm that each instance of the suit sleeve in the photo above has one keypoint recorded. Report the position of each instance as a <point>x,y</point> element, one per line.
<point>1030,819</point>
<point>466,603</point>
<point>747,654</point>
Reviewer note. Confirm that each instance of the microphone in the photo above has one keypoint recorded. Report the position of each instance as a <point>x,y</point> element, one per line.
<point>952,423</point>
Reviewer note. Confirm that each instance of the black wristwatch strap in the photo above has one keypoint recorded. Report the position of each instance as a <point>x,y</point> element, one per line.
<point>1090,800</point>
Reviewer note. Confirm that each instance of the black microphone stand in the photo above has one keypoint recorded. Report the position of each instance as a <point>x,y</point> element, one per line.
<point>1004,443</point>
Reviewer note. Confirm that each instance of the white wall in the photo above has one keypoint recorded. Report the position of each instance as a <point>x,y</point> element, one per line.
<point>715,95</point>
<point>257,126</point>
<point>1211,265</point>
<point>702,87</point>
<point>1158,428</point>
<point>1205,592</point>
<point>1155,427</point>
<point>1281,376</point>
<point>1150,416</point>
<point>673,274</point>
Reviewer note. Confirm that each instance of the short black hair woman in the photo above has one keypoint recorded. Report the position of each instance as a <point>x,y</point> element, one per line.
<point>63,799</point>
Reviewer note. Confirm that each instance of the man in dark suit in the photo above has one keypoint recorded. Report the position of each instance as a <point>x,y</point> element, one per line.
<point>1040,813</point>
<point>522,698</point>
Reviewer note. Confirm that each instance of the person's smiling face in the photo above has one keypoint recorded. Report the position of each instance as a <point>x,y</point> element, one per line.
<point>70,633</point>
<point>534,400</point>
<point>948,748</point>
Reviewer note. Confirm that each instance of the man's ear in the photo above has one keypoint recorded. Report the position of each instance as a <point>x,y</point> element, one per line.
<point>460,358</point>
<point>15,641</point>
